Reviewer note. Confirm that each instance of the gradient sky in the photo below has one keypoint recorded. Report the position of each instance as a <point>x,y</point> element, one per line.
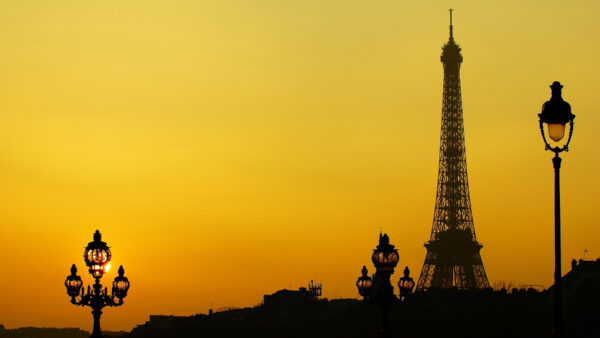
<point>228,149</point>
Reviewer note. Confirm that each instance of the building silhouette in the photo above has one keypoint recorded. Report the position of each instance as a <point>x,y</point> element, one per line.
<point>471,313</point>
<point>581,292</point>
<point>453,259</point>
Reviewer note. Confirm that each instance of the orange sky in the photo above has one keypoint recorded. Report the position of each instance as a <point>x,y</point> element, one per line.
<point>228,149</point>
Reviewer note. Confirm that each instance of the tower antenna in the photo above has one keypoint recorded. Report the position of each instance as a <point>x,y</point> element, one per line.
<point>451,28</point>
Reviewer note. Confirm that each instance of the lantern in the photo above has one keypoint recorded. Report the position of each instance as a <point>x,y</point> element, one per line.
<point>364,283</point>
<point>97,256</point>
<point>120,285</point>
<point>385,257</point>
<point>556,113</point>
<point>73,283</point>
<point>406,284</point>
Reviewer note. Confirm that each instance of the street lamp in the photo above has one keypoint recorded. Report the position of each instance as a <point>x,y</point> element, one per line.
<point>379,289</point>
<point>97,257</point>
<point>556,113</point>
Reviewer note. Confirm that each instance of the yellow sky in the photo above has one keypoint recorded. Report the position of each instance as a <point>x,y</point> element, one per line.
<point>227,149</point>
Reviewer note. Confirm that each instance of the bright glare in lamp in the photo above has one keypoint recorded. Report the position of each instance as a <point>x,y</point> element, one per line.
<point>556,131</point>
<point>107,267</point>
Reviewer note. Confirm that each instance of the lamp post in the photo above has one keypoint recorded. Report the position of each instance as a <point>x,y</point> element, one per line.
<point>556,113</point>
<point>97,257</point>
<point>379,289</point>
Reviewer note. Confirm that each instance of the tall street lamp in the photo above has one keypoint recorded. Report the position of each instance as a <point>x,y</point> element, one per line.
<point>97,258</point>
<point>379,289</point>
<point>556,113</point>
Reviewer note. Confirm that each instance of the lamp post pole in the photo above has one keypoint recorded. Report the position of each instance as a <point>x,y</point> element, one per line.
<point>97,257</point>
<point>556,113</point>
<point>385,298</point>
<point>558,311</point>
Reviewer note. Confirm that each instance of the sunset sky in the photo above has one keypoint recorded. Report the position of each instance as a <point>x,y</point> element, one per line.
<point>227,149</point>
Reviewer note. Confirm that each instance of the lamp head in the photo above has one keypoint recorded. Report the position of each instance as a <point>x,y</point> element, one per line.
<point>556,113</point>
<point>385,256</point>
<point>364,283</point>
<point>73,282</point>
<point>406,283</point>
<point>97,256</point>
<point>120,284</point>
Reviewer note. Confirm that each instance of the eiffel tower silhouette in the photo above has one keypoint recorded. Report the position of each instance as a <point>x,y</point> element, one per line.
<point>453,259</point>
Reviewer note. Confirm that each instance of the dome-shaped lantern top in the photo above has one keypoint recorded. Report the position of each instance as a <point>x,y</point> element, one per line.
<point>120,284</point>
<point>364,283</point>
<point>97,256</point>
<point>73,283</point>
<point>385,257</point>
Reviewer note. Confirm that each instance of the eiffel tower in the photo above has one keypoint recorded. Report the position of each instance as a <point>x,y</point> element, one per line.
<point>453,259</point>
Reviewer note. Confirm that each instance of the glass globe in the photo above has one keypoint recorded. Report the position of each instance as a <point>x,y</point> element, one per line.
<point>406,283</point>
<point>385,257</point>
<point>120,285</point>
<point>364,283</point>
<point>97,256</point>
<point>556,131</point>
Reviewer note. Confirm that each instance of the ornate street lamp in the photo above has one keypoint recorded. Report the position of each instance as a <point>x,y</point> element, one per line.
<point>379,289</point>
<point>556,113</point>
<point>97,257</point>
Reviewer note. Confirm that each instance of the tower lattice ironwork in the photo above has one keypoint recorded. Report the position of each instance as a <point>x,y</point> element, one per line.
<point>453,258</point>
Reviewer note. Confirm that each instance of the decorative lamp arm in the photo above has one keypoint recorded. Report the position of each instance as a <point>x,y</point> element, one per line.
<point>110,301</point>
<point>83,299</point>
<point>571,127</point>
